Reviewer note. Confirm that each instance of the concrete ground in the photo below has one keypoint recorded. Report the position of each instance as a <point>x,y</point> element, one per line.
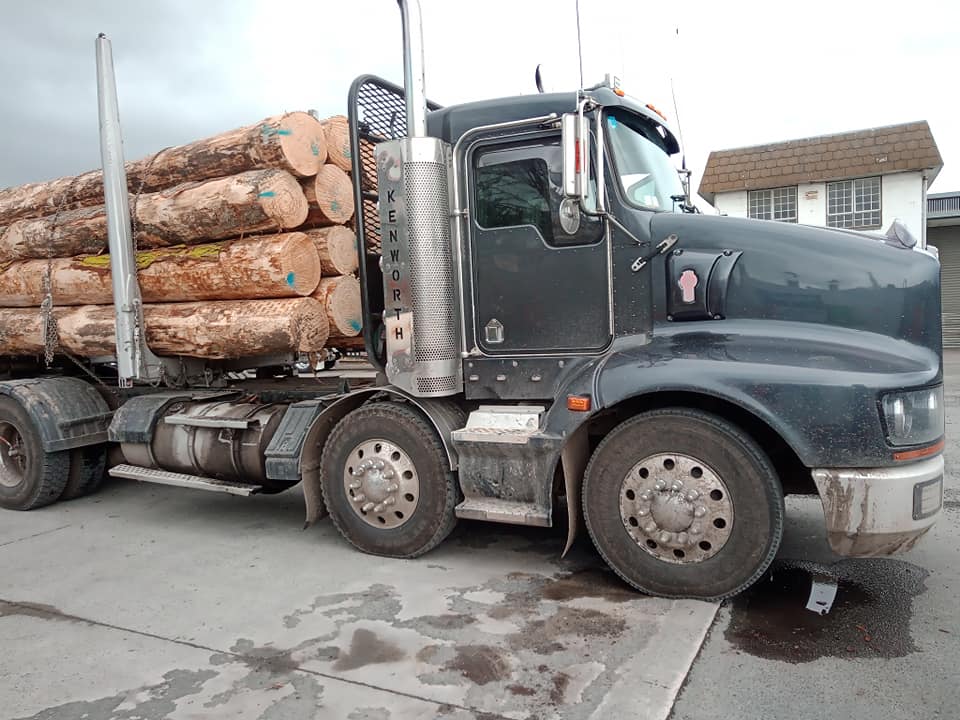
<point>147,602</point>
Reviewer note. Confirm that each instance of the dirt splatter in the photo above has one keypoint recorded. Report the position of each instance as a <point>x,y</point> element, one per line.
<point>869,618</point>
<point>263,657</point>
<point>447,622</point>
<point>480,664</point>
<point>367,649</point>
<point>588,583</point>
<point>559,690</point>
<point>521,690</point>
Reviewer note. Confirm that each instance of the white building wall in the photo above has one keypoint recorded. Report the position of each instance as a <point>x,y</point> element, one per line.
<point>733,204</point>
<point>901,197</point>
<point>812,204</point>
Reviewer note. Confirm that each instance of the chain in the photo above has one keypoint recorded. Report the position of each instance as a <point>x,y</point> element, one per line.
<point>50,331</point>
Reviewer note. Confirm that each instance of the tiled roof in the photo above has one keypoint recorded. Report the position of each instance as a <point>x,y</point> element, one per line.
<point>882,150</point>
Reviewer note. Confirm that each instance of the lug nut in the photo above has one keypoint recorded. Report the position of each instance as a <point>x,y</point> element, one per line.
<point>699,511</point>
<point>646,495</point>
<point>388,474</point>
<point>378,508</point>
<point>368,507</point>
<point>355,485</point>
<point>650,527</point>
<point>696,529</point>
<point>643,512</point>
<point>676,485</point>
<point>683,538</point>
<point>692,495</point>
<point>359,497</point>
<point>389,501</point>
<point>392,487</point>
<point>665,537</point>
<point>659,485</point>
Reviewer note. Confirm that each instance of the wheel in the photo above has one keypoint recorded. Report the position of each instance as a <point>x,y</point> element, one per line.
<point>681,503</point>
<point>29,477</point>
<point>87,466</point>
<point>386,481</point>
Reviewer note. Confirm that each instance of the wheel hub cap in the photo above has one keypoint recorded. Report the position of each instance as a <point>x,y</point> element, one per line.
<point>676,508</point>
<point>382,484</point>
<point>13,459</point>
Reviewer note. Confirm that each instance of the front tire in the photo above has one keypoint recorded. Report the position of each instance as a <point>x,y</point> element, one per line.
<point>29,477</point>
<point>681,503</point>
<point>386,481</point>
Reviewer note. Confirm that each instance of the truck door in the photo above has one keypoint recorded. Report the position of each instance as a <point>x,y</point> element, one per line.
<point>539,285</point>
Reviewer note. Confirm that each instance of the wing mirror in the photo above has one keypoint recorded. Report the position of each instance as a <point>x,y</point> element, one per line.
<point>576,156</point>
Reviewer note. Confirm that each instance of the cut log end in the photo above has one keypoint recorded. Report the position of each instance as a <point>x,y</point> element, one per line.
<point>341,300</point>
<point>282,199</point>
<point>330,196</point>
<point>337,134</point>
<point>337,247</point>
<point>304,143</point>
<point>298,263</point>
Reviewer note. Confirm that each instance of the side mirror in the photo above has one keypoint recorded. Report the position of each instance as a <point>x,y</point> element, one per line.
<point>576,156</point>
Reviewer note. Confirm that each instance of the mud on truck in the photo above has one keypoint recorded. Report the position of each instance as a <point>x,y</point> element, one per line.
<point>548,319</point>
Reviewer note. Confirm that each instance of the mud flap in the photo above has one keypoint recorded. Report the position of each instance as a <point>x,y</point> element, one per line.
<point>573,460</point>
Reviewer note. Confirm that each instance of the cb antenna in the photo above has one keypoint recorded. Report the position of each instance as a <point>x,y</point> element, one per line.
<point>684,173</point>
<point>579,44</point>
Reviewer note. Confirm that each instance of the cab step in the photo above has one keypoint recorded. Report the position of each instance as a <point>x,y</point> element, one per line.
<point>501,424</point>
<point>165,477</point>
<point>504,511</point>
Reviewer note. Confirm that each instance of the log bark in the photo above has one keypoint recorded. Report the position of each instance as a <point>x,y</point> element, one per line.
<point>210,330</point>
<point>330,197</point>
<point>273,266</point>
<point>336,131</point>
<point>251,202</point>
<point>351,343</point>
<point>294,142</point>
<point>340,297</point>
<point>337,247</point>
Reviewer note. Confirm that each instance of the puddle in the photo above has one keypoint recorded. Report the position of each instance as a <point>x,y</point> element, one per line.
<point>870,616</point>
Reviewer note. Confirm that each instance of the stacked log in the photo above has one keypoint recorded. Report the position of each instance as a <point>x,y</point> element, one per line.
<point>243,239</point>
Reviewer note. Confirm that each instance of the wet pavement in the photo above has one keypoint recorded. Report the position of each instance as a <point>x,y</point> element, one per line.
<point>148,602</point>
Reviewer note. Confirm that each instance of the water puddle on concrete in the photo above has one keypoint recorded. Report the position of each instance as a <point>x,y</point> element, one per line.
<point>868,617</point>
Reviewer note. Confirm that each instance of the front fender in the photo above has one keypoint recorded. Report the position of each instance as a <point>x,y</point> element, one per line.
<point>817,386</point>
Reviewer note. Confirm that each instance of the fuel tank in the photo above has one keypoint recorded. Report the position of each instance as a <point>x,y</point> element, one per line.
<point>783,271</point>
<point>223,440</point>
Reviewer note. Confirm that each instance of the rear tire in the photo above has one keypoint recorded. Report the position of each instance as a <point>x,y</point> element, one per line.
<point>29,477</point>
<point>87,467</point>
<point>681,503</point>
<point>387,483</point>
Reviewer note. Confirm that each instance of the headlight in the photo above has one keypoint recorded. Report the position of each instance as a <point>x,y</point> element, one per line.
<point>915,417</point>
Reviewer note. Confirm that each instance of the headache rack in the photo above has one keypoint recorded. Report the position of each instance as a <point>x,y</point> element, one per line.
<point>376,109</point>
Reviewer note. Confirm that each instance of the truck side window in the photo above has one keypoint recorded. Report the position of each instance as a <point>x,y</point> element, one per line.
<point>521,185</point>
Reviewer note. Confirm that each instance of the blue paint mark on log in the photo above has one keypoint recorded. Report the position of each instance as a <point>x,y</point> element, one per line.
<point>290,278</point>
<point>284,132</point>
<point>315,149</point>
<point>334,206</point>
<point>355,325</point>
<point>267,193</point>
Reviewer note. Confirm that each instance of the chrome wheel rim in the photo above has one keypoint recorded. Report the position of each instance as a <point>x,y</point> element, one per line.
<point>381,483</point>
<point>13,457</point>
<point>677,508</point>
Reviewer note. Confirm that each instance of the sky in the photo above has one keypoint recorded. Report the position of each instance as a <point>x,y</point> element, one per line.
<point>742,73</point>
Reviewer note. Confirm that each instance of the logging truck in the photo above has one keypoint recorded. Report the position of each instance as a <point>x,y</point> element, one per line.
<point>555,335</point>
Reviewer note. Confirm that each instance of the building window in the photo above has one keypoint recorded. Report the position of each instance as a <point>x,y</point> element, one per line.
<point>776,204</point>
<point>854,203</point>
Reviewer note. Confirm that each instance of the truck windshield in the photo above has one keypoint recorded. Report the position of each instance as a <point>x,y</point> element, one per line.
<point>647,175</point>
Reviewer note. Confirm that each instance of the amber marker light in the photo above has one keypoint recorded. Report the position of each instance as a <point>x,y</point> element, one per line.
<point>915,454</point>
<point>650,106</point>
<point>578,403</point>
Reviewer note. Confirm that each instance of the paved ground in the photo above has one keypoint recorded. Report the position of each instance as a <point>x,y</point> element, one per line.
<point>150,602</point>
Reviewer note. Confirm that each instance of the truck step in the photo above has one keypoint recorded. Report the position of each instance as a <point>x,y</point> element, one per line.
<point>505,511</point>
<point>501,424</point>
<point>165,477</point>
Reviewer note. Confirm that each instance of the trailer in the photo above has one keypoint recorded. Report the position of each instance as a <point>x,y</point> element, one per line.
<point>555,335</point>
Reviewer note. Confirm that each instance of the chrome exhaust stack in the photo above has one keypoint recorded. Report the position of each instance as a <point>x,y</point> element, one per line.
<point>419,284</point>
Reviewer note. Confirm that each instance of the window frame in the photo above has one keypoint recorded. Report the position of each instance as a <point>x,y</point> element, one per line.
<point>772,206</point>
<point>854,211</point>
<point>533,141</point>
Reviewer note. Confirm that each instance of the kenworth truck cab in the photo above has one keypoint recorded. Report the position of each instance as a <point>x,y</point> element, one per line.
<point>548,321</point>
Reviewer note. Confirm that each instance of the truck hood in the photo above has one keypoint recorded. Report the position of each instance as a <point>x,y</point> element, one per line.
<point>801,273</point>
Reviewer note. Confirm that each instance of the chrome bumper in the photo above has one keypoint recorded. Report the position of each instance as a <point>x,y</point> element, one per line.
<point>880,511</point>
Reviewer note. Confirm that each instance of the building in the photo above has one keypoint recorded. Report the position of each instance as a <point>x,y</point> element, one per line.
<point>943,232</point>
<point>862,180</point>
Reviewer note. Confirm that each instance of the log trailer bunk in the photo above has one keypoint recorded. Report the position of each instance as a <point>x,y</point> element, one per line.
<point>547,319</point>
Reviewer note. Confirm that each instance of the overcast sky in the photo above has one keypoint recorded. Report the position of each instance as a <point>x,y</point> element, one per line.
<point>744,72</point>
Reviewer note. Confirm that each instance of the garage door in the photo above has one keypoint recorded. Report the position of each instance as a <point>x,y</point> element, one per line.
<point>950,288</point>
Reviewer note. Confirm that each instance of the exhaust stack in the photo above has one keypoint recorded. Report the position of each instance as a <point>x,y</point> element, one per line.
<point>413,80</point>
